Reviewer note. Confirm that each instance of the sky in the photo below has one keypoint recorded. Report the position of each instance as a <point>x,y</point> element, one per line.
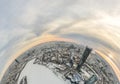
<point>95,23</point>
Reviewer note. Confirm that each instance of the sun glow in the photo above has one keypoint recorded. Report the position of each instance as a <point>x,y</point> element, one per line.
<point>110,20</point>
<point>114,67</point>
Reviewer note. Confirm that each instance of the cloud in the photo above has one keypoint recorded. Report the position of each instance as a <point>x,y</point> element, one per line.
<point>23,20</point>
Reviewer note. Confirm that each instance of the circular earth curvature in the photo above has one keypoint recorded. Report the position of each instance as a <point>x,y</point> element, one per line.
<point>71,62</point>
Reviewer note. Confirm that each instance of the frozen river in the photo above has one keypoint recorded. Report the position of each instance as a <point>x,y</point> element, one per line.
<point>25,24</point>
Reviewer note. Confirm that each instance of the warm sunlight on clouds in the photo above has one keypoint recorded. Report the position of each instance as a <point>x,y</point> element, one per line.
<point>90,22</point>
